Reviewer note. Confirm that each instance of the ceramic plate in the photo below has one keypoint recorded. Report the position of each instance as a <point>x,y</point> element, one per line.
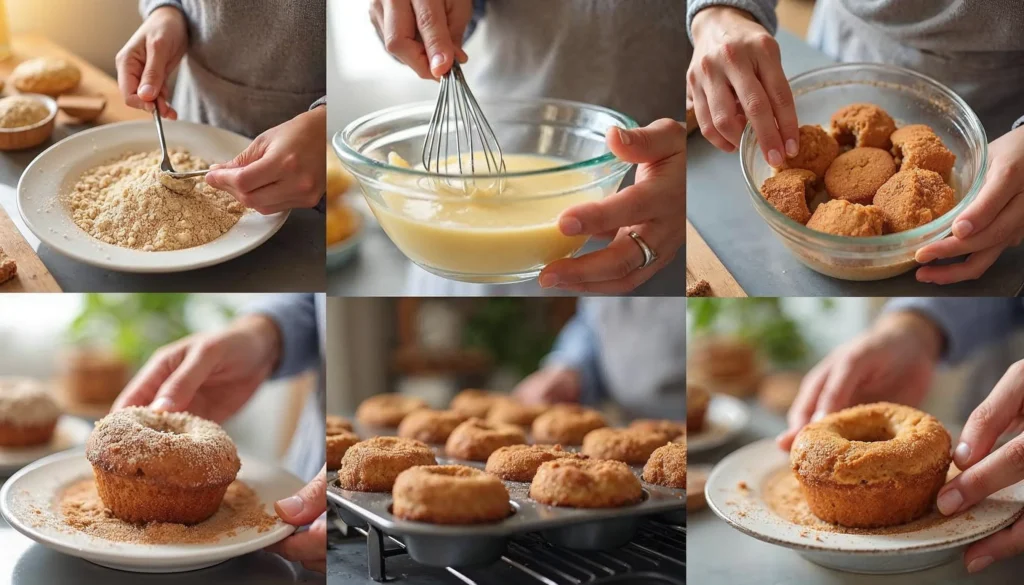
<point>928,546</point>
<point>70,432</point>
<point>38,485</point>
<point>58,168</point>
<point>726,417</point>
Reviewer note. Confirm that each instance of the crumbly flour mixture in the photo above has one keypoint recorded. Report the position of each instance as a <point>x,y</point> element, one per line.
<point>129,203</point>
<point>19,111</point>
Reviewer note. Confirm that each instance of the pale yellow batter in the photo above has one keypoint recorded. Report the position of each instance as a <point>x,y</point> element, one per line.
<point>487,233</point>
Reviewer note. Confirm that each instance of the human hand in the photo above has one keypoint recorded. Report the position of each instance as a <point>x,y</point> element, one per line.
<point>208,374</point>
<point>986,472</point>
<point>735,76</point>
<point>284,168</point>
<point>893,361</point>
<point>308,547</point>
<point>993,222</point>
<point>426,35</point>
<point>654,207</point>
<point>146,61</point>
<point>549,385</point>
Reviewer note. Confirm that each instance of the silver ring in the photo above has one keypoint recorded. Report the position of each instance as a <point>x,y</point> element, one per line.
<point>649,255</point>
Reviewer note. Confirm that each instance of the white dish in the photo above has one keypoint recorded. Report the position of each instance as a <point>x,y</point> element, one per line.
<point>931,545</point>
<point>57,169</point>
<point>38,485</point>
<point>70,432</point>
<point>726,417</point>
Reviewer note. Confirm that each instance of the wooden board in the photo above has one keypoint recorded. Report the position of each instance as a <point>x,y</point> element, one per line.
<point>94,81</point>
<point>703,264</point>
<point>32,273</point>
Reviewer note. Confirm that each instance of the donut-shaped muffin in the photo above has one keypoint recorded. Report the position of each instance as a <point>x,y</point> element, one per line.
<point>566,424</point>
<point>449,494</point>
<point>476,439</point>
<point>161,466</point>
<point>430,426</point>
<point>585,483</point>
<point>472,402</point>
<point>336,425</point>
<point>520,462</point>
<point>872,465</point>
<point>513,412</point>
<point>387,410</point>
<point>372,465</point>
<point>697,401</point>
<point>667,466</point>
<point>28,413</point>
<point>337,445</point>
<point>670,429</point>
<point>632,446</point>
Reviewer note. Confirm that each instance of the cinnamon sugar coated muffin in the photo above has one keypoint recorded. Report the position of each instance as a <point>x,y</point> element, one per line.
<point>817,151</point>
<point>28,413</point>
<point>585,483</point>
<point>697,401</point>
<point>842,218</point>
<point>912,198</point>
<point>667,466</point>
<point>566,424</point>
<point>430,426</point>
<point>476,439</point>
<point>372,465</point>
<point>387,410</point>
<point>473,402</point>
<point>520,462</point>
<point>632,446</point>
<point>789,192</point>
<point>337,445</point>
<point>161,466</point>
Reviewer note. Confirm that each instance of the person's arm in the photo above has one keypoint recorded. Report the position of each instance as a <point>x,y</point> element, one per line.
<point>295,317</point>
<point>763,11</point>
<point>146,7</point>
<point>967,324</point>
<point>576,348</point>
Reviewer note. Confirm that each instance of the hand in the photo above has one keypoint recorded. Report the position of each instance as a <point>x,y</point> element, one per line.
<point>893,361</point>
<point>986,472</point>
<point>208,374</point>
<point>308,547</point>
<point>284,168</point>
<point>736,75</point>
<point>149,57</point>
<point>426,35</point>
<point>549,385</point>
<point>654,207</point>
<point>990,224</point>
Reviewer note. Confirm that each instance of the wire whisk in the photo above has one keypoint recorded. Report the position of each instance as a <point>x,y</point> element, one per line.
<point>460,140</point>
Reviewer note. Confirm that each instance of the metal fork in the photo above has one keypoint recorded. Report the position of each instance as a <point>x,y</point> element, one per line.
<point>165,164</point>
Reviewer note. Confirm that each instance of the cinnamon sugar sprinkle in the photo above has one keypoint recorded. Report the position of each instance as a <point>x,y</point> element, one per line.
<point>81,509</point>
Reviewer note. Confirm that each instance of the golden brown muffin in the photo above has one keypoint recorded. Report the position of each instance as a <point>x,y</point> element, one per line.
<point>450,494</point>
<point>335,425</point>
<point>670,429</point>
<point>918,147</point>
<point>863,125</point>
<point>697,401</point>
<point>788,191</point>
<point>476,439</point>
<point>857,174</point>
<point>520,462</point>
<point>387,410</point>
<point>633,446</point>
<point>872,465</point>
<point>373,465</point>
<point>842,218</point>
<point>667,466</point>
<point>585,483</point>
<point>511,411</point>
<point>913,198</point>
<point>28,413</point>
<point>817,151</point>
<point>46,75</point>
<point>723,364</point>
<point>472,402</point>
<point>430,426</point>
<point>566,424</point>
<point>337,445</point>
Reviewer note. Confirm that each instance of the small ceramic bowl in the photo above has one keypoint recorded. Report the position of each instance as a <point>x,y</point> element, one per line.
<point>34,135</point>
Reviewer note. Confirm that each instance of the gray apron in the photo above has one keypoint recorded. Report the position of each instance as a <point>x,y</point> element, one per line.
<point>992,82</point>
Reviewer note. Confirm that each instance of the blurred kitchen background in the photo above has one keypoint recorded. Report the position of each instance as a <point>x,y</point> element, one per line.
<point>89,345</point>
<point>791,335</point>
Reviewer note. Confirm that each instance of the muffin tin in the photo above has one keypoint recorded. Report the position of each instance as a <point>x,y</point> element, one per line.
<point>481,544</point>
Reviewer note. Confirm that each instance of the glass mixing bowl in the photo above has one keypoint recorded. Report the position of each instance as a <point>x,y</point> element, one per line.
<point>502,237</point>
<point>910,98</point>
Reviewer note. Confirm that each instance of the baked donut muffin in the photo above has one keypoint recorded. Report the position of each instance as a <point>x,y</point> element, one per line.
<point>669,428</point>
<point>872,465</point>
<point>842,218</point>
<point>520,462</point>
<point>47,75</point>
<point>667,466</point>
<point>585,483</point>
<point>28,414</point>
<point>511,411</point>
<point>817,151</point>
<point>472,402</point>
<point>566,424</point>
<point>857,174</point>
<point>449,494</point>
<point>387,410</point>
<point>336,425</point>
<point>430,426</point>
<point>863,125</point>
<point>161,466</point>
<point>697,401</point>
<point>633,446</point>
<point>476,439</point>
<point>337,445</point>
<point>372,465</point>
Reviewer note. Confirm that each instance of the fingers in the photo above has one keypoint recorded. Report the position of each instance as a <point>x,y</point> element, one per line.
<point>991,418</point>
<point>432,22</point>
<point>846,374</point>
<point>307,504</point>
<point>308,547</point>
<point>400,37</point>
<point>758,110</point>
<point>616,261</point>
<point>971,269</point>
<point>181,385</point>
<point>1001,186</point>
<point>806,402</point>
<point>707,126</point>
<point>1001,545</point>
<point>1000,469</point>
<point>658,141</point>
<point>780,95</point>
<point>143,387</point>
<point>725,114</point>
<point>639,203</point>
<point>247,172</point>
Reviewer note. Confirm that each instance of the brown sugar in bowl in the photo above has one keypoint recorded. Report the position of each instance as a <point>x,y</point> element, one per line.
<point>34,134</point>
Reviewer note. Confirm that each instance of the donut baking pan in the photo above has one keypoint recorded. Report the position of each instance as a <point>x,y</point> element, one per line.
<point>480,544</point>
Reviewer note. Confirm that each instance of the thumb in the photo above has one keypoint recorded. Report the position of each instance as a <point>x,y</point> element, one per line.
<point>305,506</point>
<point>657,141</point>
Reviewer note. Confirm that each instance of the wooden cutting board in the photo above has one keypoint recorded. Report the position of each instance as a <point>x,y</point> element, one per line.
<point>32,273</point>
<point>703,264</point>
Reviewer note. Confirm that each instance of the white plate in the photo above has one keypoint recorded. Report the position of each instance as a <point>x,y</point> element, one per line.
<point>39,484</point>
<point>70,432</point>
<point>726,417</point>
<point>932,545</point>
<point>58,168</point>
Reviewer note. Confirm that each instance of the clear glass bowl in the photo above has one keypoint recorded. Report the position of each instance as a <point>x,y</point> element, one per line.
<point>512,250</point>
<point>910,98</point>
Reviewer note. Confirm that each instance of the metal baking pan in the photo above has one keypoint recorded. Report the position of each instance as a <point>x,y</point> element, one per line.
<point>481,544</point>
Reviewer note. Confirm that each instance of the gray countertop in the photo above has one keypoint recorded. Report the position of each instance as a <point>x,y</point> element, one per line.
<point>719,554</point>
<point>291,261</point>
<point>718,208</point>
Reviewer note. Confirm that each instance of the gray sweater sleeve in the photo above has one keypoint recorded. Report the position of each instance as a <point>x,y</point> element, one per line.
<point>146,7</point>
<point>763,11</point>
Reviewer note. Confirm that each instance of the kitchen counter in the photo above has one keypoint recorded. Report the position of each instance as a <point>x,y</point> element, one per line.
<point>718,206</point>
